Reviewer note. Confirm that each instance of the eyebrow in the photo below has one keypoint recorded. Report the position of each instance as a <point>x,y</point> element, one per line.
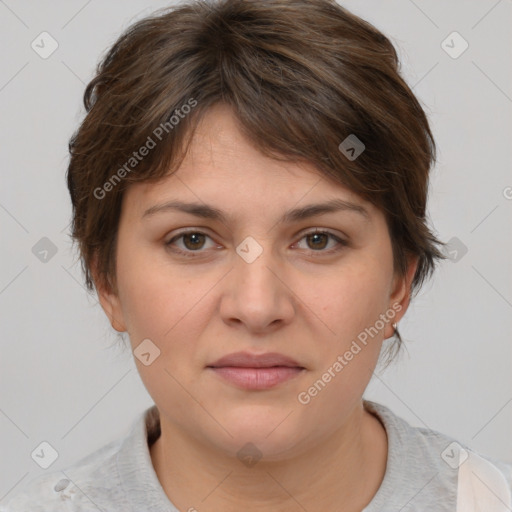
<point>297,214</point>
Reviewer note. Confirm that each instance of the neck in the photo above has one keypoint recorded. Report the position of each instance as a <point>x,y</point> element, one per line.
<point>345,469</point>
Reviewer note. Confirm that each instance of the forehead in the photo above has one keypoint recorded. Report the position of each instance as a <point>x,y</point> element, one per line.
<point>223,167</point>
<point>219,144</point>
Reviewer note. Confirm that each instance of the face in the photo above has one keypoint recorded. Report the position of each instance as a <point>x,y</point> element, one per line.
<point>252,270</point>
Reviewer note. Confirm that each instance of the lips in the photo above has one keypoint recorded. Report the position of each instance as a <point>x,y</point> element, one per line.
<point>247,360</point>
<point>256,372</point>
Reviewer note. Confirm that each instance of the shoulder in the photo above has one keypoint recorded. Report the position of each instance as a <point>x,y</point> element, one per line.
<point>483,483</point>
<point>439,465</point>
<point>87,485</point>
<point>468,463</point>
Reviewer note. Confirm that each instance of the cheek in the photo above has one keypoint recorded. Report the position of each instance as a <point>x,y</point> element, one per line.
<point>152,298</point>
<point>162,305</point>
<point>349,299</point>
<point>350,306</point>
<point>162,302</point>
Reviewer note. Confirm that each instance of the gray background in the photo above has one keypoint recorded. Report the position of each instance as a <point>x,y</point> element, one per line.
<point>59,380</point>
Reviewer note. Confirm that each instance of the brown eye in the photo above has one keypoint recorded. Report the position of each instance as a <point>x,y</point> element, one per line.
<point>193,241</point>
<point>322,242</point>
<point>317,240</point>
<point>190,243</point>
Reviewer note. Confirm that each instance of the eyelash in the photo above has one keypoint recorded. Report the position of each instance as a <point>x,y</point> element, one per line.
<point>191,254</point>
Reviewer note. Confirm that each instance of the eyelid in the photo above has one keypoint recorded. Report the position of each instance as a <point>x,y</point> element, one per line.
<point>312,231</point>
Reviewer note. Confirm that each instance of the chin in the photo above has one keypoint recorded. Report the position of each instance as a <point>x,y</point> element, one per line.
<point>264,433</point>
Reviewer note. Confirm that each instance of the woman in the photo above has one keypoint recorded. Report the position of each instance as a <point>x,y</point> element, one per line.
<point>249,193</point>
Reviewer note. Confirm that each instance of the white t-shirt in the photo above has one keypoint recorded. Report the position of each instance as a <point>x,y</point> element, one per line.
<point>425,471</point>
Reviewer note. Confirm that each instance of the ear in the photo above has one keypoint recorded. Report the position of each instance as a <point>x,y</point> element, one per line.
<point>109,299</point>
<point>401,294</point>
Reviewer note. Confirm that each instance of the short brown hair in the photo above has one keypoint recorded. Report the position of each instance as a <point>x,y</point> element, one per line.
<point>300,75</point>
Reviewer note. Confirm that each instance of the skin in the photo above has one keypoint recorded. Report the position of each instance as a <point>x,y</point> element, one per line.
<point>294,299</point>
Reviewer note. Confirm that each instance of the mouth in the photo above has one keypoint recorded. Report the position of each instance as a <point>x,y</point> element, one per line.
<point>256,372</point>
<point>256,378</point>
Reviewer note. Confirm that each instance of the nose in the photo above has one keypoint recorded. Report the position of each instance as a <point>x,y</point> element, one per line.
<point>257,296</point>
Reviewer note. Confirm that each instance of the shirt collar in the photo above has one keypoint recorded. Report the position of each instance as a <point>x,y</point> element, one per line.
<point>138,477</point>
